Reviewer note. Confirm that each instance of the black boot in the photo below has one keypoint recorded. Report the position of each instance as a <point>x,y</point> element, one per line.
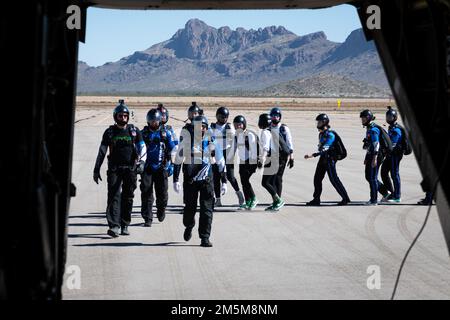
<point>113,232</point>
<point>206,243</point>
<point>148,223</point>
<point>187,234</point>
<point>344,202</point>
<point>161,214</point>
<point>313,202</point>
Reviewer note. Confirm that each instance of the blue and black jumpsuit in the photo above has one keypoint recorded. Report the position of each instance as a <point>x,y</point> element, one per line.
<point>392,162</point>
<point>160,145</point>
<point>198,181</point>
<point>327,164</point>
<point>372,144</point>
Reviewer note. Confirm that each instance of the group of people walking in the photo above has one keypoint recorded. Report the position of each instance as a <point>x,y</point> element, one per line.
<point>205,154</point>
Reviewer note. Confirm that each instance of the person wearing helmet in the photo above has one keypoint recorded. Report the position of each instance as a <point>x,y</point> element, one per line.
<point>164,119</point>
<point>265,137</point>
<point>223,132</point>
<point>197,158</point>
<point>247,148</point>
<point>160,150</point>
<point>264,122</point>
<point>127,155</point>
<point>327,162</point>
<point>392,162</point>
<point>186,137</point>
<point>193,111</point>
<point>374,156</point>
<point>283,149</point>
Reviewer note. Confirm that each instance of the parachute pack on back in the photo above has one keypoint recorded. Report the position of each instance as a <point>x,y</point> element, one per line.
<point>385,140</point>
<point>339,150</point>
<point>406,146</point>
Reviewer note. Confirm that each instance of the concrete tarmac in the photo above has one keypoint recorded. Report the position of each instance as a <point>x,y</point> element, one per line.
<point>325,252</point>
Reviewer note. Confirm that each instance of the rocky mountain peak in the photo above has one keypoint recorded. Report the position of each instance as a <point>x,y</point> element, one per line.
<point>197,40</point>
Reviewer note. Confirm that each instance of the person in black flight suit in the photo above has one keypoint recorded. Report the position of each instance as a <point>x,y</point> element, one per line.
<point>327,162</point>
<point>187,133</point>
<point>126,158</point>
<point>197,158</point>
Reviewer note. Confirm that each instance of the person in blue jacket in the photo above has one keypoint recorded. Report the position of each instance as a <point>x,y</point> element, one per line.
<point>327,162</point>
<point>160,150</point>
<point>392,162</point>
<point>374,156</point>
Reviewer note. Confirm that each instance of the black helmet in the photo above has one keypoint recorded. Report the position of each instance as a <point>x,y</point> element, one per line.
<point>153,115</point>
<point>121,108</point>
<point>240,119</point>
<point>164,112</point>
<point>323,119</point>
<point>264,121</point>
<point>194,108</point>
<point>275,112</point>
<point>367,114</point>
<point>201,119</point>
<point>223,111</point>
<point>391,115</point>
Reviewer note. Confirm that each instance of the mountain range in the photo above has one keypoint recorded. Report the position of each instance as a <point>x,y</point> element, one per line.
<point>267,61</point>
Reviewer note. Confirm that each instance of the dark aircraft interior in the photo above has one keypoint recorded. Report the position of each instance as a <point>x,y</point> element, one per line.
<point>39,71</point>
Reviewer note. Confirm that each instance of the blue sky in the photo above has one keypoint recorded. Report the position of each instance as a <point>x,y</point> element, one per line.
<point>113,34</point>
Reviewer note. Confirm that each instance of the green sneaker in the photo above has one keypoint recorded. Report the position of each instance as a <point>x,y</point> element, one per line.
<point>278,204</point>
<point>253,203</point>
<point>245,205</point>
<point>269,208</point>
<point>395,200</point>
